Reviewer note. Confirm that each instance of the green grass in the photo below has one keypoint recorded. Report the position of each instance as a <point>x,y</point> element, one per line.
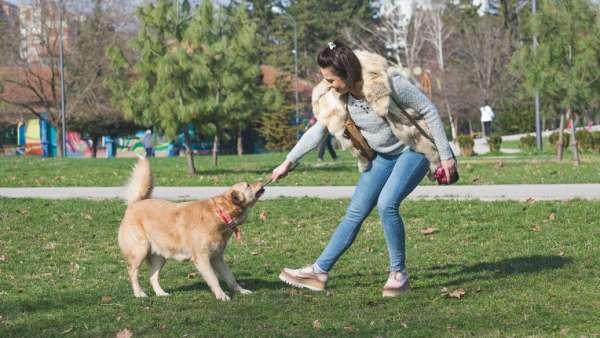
<point>38,172</point>
<point>527,269</point>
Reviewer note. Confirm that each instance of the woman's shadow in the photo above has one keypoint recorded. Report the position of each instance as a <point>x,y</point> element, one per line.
<point>461,273</point>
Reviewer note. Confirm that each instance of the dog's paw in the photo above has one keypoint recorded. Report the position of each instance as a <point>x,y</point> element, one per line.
<point>141,294</point>
<point>244,291</point>
<point>222,296</point>
<point>162,294</point>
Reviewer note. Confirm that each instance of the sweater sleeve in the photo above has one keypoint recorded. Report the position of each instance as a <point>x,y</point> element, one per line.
<point>410,96</point>
<point>309,141</point>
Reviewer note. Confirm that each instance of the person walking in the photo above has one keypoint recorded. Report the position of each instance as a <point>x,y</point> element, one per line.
<point>396,134</point>
<point>487,115</point>
<point>147,142</point>
<point>325,144</point>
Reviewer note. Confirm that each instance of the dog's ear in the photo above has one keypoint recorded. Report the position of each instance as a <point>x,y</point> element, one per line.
<point>236,197</point>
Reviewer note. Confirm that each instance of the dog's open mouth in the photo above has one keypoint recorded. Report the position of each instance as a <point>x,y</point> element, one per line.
<point>260,192</point>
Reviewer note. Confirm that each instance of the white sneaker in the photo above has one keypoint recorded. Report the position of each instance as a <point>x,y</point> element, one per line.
<point>396,284</point>
<point>305,277</point>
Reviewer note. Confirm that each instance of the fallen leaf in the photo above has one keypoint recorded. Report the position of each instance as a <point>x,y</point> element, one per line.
<point>263,216</point>
<point>428,230</point>
<point>476,179</point>
<point>67,330</point>
<point>125,333</point>
<point>562,253</point>
<point>88,217</point>
<point>552,216</point>
<point>536,228</point>
<point>74,267</point>
<point>317,324</point>
<point>192,275</point>
<point>530,200</point>
<point>2,258</point>
<point>457,293</point>
<point>106,299</point>
<point>499,164</point>
<point>564,331</point>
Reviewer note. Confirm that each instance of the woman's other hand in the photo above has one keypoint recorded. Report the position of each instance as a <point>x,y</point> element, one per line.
<point>281,170</point>
<point>449,166</point>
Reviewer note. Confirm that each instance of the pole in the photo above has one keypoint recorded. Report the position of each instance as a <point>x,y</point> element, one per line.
<point>296,78</point>
<point>538,122</point>
<point>62,80</point>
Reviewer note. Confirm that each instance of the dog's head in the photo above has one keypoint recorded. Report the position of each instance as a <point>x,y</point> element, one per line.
<point>245,195</point>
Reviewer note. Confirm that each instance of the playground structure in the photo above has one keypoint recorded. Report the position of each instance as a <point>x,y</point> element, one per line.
<point>38,138</point>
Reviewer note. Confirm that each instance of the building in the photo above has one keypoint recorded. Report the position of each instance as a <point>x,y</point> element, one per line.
<point>9,31</point>
<point>40,31</point>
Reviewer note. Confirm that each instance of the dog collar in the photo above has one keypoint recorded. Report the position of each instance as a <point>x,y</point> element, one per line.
<point>229,222</point>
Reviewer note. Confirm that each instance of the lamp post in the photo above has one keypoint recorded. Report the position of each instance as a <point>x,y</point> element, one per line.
<point>279,10</point>
<point>62,80</point>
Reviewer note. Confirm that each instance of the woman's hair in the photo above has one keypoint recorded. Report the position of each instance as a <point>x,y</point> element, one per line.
<point>342,59</point>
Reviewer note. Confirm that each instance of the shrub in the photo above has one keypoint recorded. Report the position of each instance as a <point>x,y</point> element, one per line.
<point>466,143</point>
<point>584,140</point>
<point>554,139</point>
<point>494,141</point>
<point>596,140</point>
<point>527,143</point>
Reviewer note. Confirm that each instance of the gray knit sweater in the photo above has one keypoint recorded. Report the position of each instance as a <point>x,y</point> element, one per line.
<point>375,129</point>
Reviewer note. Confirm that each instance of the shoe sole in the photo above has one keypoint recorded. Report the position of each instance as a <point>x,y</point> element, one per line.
<point>395,292</point>
<point>301,283</point>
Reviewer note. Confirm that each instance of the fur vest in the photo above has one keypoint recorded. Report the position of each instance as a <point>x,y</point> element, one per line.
<point>330,110</point>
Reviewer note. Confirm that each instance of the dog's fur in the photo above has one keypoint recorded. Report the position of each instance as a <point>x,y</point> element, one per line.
<point>153,230</point>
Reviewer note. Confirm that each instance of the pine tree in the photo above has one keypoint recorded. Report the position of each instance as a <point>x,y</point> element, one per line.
<point>565,68</point>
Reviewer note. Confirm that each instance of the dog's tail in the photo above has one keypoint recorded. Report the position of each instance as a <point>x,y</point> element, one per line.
<point>140,183</point>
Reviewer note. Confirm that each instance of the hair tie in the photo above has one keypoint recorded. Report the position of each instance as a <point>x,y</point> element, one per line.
<point>331,45</point>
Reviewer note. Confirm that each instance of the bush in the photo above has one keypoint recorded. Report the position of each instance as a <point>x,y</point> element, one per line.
<point>494,141</point>
<point>596,140</point>
<point>554,139</point>
<point>584,140</point>
<point>527,143</point>
<point>466,143</point>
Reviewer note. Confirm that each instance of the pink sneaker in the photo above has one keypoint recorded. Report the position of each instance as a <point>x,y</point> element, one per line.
<point>396,284</point>
<point>305,277</point>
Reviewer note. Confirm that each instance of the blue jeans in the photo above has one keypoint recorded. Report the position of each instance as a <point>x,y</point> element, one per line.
<point>389,180</point>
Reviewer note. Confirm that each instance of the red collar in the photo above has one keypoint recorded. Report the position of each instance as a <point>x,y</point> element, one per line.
<point>229,222</point>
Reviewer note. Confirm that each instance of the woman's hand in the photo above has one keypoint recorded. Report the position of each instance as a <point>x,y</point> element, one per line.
<point>281,170</point>
<point>449,166</point>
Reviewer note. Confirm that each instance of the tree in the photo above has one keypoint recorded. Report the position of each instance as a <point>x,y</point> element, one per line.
<point>565,67</point>
<point>162,87</point>
<point>275,124</point>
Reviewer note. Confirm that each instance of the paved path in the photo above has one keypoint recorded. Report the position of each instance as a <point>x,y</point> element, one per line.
<point>483,192</point>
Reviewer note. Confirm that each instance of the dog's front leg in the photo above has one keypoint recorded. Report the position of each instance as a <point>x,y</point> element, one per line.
<point>224,271</point>
<point>204,267</point>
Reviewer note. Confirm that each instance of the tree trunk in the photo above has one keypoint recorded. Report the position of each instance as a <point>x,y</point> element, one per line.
<point>59,148</point>
<point>240,148</point>
<point>453,127</point>
<point>561,141</point>
<point>95,140</point>
<point>574,146</point>
<point>189,154</point>
<point>215,150</point>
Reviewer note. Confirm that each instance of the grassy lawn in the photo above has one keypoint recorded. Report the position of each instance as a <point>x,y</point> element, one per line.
<point>526,269</point>
<point>488,169</point>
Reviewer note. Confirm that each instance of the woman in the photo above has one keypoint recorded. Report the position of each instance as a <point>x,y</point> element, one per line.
<point>385,107</point>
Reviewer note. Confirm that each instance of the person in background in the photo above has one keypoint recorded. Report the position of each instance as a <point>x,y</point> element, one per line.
<point>326,143</point>
<point>147,142</point>
<point>487,115</point>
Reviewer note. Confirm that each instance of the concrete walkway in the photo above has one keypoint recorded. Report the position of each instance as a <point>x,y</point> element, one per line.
<point>519,192</point>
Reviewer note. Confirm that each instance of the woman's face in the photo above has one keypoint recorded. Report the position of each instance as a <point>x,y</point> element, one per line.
<point>334,81</point>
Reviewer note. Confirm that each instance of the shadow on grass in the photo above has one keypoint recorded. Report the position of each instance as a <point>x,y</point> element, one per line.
<point>248,283</point>
<point>461,273</point>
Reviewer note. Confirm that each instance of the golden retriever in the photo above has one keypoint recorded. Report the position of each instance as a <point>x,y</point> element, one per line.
<point>154,230</point>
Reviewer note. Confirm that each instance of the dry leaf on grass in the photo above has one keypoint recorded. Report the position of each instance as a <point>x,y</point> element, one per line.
<point>457,293</point>
<point>262,216</point>
<point>536,228</point>
<point>2,258</point>
<point>499,164</point>
<point>106,299</point>
<point>88,217</point>
<point>125,333</point>
<point>530,200</point>
<point>552,216</point>
<point>192,275</point>
<point>428,230</point>
<point>317,324</point>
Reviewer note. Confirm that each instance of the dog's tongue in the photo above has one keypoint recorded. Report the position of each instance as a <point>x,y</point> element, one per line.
<point>238,233</point>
